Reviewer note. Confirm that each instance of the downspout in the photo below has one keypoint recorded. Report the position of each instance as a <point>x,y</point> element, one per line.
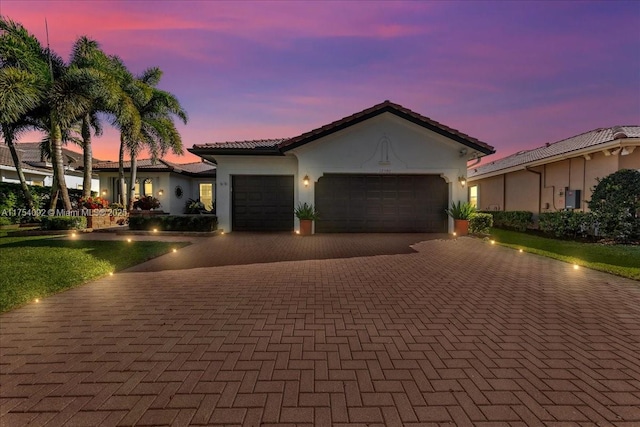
<point>504,192</point>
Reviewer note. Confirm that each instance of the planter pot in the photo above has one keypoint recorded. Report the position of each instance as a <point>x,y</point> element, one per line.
<point>461,226</point>
<point>306,225</point>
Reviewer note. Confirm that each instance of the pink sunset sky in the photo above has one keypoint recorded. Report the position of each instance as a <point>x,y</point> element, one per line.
<point>513,74</point>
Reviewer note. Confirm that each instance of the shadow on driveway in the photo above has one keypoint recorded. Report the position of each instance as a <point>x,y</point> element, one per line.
<point>251,248</point>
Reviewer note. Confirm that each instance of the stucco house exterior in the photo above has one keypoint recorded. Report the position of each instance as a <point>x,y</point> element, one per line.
<point>383,169</point>
<point>556,176</point>
<point>171,183</point>
<point>38,170</point>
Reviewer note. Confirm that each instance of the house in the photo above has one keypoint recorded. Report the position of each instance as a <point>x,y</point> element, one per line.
<point>38,169</point>
<point>171,183</point>
<point>383,169</point>
<point>556,176</point>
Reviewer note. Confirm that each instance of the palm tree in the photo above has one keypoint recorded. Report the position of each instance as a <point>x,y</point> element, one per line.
<point>158,132</point>
<point>20,92</point>
<point>111,98</point>
<point>65,93</point>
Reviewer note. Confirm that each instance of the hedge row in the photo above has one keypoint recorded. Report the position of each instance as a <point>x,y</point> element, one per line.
<point>12,198</point>
<point>174,222</point>
<point>63,222</point>
<point>480,223</point>
<point>511,220</point>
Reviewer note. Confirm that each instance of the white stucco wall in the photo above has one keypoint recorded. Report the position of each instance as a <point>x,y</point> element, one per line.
<point>247,165</point>
<point>385,144</point>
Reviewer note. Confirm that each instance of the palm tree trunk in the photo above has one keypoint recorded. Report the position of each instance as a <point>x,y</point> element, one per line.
<point>87,157</point>
<point>121,186</point>
<point>132,182</point>
<point>8,137</point>
<point>53,203</point>
<point>58,165</point>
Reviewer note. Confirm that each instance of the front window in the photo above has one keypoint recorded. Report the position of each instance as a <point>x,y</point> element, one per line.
<point>206,195</point>
<point>473,196</point>
<point>148,187</point>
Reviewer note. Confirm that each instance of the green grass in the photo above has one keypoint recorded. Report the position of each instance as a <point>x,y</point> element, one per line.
<point>37,266</point>
<point>622,260</point>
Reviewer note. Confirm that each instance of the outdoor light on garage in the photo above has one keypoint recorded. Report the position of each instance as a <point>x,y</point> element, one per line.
<point>305,180</point>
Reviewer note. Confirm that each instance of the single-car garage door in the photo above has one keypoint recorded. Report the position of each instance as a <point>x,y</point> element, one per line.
<point>262,202</point>
<point>381,203</point>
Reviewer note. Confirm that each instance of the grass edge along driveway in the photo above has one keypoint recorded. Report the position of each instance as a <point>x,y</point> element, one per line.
<point>621,260</point>
<point>38,266</point>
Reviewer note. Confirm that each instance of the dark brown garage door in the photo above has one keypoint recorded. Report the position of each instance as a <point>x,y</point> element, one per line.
<point>262,203</point>
<point>381,203</point>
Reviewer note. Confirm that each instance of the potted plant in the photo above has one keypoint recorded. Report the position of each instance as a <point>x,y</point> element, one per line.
<point>306,213</point>
<point>461,212</point>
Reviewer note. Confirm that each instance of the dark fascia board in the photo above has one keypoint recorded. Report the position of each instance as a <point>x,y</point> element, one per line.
<point>401,114</point>
<point>182,172</point>
<point>271,151</point>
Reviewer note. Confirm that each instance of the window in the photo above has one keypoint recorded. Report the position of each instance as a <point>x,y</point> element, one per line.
<point>136,192</point>
<point>473,196</point>
<point>206,195</point>
<point>148,187</point>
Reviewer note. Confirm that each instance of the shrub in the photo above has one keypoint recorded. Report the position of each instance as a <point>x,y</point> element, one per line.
<point>193,206</point>
<point>174,222</point>
<point>566,224</point>
<point>63,222</point>
<point>8,204</point>
<point>615,204</point>
<point>461,210</point>
<point>306,211</point>
<point>480,223</point>
<point>146,203</point>
<point>512,220</point>
<point>92,203</point>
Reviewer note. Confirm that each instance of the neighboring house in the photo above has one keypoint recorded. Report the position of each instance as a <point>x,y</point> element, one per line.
<point>172,183</point>
<point>38,169</point>
<point>555,176</point>
<point>384,169</point>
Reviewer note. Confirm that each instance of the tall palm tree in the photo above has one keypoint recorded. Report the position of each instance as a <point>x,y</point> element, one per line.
<point>111,98</point>
<point>158,132</point>
<point>20,92</point>
<point>65,92</point>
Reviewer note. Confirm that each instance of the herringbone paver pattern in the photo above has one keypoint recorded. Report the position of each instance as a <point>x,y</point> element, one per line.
<point>459,333</point>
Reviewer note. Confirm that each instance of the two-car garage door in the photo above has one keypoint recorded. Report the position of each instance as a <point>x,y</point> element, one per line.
<point>346,203</point>
<point>381,203</point>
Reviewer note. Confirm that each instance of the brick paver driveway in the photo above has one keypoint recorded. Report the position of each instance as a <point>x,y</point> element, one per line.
<point>458,333</point>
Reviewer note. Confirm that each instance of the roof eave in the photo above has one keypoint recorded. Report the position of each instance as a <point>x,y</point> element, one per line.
<point>618,143</point>
<point>387,109</point>
<point>236,151</point>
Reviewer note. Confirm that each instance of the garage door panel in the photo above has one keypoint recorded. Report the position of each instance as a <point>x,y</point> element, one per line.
<point>381,203</point>
<point>262,203</point>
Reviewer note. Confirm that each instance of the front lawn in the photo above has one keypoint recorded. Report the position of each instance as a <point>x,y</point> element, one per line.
<point>34,267</point>
<point>622,260</point>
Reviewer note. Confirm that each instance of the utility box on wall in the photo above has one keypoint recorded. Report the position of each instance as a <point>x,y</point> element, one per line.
<point>571,199</point>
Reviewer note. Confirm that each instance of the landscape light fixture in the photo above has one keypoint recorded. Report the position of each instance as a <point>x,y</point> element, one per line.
<point>305,180</point>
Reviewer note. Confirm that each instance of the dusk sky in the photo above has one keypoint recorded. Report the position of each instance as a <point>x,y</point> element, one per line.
<point>513,74</point>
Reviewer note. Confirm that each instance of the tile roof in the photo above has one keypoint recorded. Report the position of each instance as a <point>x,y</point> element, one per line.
<point>278,146</point>
<point>243,145</point>
<point>583,141</point>
<point>397,109</point>
<point>7,160</point>
<point>194,168</point>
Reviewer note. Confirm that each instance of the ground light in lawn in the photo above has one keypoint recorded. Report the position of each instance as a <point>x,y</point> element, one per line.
<point>520,250</point>
<point>576,266</point>
<point>155,230</point>
<point>129,240</point>
<point>493,242</point>
<point>175,250</point>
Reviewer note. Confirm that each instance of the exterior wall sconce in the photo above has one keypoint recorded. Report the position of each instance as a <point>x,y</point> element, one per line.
<point>104,192</point>
<point>305,180</point>
<point>462,180</point>
<point>160,192</point>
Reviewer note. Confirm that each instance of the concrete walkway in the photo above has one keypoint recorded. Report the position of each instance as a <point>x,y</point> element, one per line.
<point>454,332</point>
